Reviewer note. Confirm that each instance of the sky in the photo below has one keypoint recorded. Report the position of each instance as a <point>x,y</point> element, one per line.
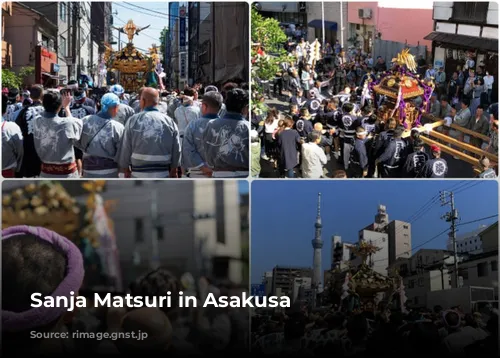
<point>143,14</point>
<point>283,214</point>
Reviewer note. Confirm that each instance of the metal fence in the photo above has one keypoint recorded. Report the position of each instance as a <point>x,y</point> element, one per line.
<point>389,49</point>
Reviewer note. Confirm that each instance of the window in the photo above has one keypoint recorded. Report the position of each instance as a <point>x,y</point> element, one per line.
<point>405,227</point>
<point>494,266</point>
<point>464,273</point>
<point>421,282</point>
<point>62,47</point>
<point>45,41</point>
<point>139,230</point>
<point>62,11</point>
<point>416,300</point>
<point>482,269</point>
<point>411,284</point>
<point>471,12</point>
<point>159,233</point>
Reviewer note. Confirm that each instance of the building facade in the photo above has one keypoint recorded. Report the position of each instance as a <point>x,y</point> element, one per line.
<point>417,285</point>
<point>173,11</point>
<point>465,30</point>
<point>221,37</point>
<point>399,234</point>
<point>81,29</point>
<point>308,16</point>
<point>6,46</point>
<point>335,14</point>
<point>37,36</point>
<point>200,233</point>
<point>368,21</point>
<point>489,238</point>
<point>468,242</point>
<point>479,270</point>
<point>284,278</point>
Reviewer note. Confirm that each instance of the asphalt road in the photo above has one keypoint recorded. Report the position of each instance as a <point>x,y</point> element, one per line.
<point>456,168</point>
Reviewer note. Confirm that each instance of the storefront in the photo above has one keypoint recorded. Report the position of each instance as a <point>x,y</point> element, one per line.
<point>46,67</point>
<point>452,50</point>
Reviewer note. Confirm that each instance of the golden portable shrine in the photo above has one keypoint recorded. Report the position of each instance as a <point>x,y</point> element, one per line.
<point>362,285</point>
<point>48,204</point>
<point>135,68</point>
<point>401,86</point>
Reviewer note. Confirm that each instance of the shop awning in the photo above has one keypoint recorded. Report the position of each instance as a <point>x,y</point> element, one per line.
<point>318,24</point>
<point>49,75</point>
<point>463,41</point>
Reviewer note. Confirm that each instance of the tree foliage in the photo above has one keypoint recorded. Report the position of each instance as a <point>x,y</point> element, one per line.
<point>11,80</point>
<point>267,36</point>
<point>163,38</point>
<point>267,33</point>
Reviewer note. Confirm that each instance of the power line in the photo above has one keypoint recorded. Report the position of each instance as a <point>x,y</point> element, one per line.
<point>140,12</point>
<point>441,233</point>
<point>143,8</point>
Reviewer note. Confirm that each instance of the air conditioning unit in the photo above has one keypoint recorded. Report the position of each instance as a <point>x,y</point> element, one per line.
<point>365,13</point>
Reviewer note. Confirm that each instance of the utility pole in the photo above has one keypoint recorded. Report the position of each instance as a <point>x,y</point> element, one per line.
<point>74,29</point>
<point>447,198</point>
<point>213,42</point>
<point>323,23</point>
<point>342,25</point>
<point>155,258</point>
<point>79,41</point>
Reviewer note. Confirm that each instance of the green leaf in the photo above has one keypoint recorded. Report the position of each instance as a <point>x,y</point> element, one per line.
<point>10,79</point>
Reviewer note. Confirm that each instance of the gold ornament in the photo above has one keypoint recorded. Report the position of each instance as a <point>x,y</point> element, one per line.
<point>391,82</point>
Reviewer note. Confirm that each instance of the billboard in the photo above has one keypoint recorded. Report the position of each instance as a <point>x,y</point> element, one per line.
<point>183,65</point>
<point>182,29</point>
<point>258,290</point>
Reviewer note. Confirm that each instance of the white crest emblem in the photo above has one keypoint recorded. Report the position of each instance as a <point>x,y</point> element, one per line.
<point>315,105</point>
<point>439,168</point>
<point>347,121</point>
<point>300,125</point>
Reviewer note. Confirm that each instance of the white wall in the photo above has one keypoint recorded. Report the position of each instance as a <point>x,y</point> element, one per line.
<point>380,259</point>
<point>417,286</point>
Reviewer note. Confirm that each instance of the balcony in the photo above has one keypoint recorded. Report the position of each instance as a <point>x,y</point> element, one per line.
<point>6,54</point>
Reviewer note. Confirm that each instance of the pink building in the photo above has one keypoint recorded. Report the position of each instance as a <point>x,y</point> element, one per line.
<point>370,20</point>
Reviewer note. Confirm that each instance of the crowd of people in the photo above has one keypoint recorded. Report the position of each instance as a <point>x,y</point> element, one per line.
<point>55,331</point>
<point>75,132</point>
<point>328,332</point>
<point>332,125</point>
